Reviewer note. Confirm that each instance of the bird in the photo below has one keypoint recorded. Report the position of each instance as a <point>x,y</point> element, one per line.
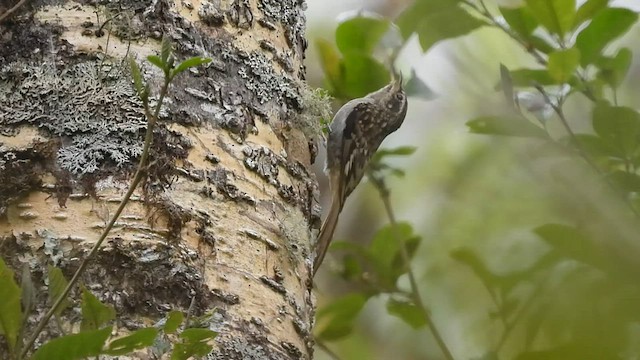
<point>355,133</point>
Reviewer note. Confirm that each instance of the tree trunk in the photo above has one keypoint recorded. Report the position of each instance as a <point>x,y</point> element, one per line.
<point>223,219</point>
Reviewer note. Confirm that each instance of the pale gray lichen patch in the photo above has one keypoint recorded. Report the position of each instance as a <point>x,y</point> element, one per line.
<point>52,246</point>
<point>98,117</point>
<point>263,162</point>
<point>262,80</point>
<point>251,80</point>
<point>290,13</point>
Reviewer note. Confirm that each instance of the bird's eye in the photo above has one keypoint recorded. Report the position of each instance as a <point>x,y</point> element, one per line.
<point>400,96</point>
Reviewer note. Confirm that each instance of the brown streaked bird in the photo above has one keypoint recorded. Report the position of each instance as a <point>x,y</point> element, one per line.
<point>355,133</point>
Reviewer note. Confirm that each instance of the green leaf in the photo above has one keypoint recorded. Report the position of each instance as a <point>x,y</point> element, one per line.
<point>138,81</point>
<point>94,313</point>
<point>336,320</point>
<point>520,19</point>
<point>562,64</point>
<point>594,145</point>
<point>531,77</point>
<point>189,63</point>
<point>436,20</point>
<point>74,346</point>
<point>515,125</point>
<point>57,284</point>
<point>569,242</point>
<point>540,44</point>
<point>606,26</point>
<point>10,311</point>
<point>618,126</point>
<point>362,75</point>
<point>398,151</point>
<point>198,334</point>
<point>469,258</point>
<point>521,78</point>
<point>351,269</point>
<point>195,342</point>
<point>384,252</point>
<point>360,34</point>
<point>155,60</point>
<point>555,15</point>
<point>613,70</point>
<point>174,319</point>
<point>384,246</point>
<point>165,51</point>
<point>588,10</point>
<point>407,312</point>
<point>594,86</point>
<point>330,61</point>
<point>625,181</point>
<point>138,339</point>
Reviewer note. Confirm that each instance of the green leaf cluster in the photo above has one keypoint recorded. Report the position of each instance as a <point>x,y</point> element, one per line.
<point>374,269</point>
<point>165,62</point>
<point>95,335</point>
<point>350,67</point>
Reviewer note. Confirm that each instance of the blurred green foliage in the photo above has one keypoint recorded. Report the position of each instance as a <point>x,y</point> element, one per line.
<point>552,243</point>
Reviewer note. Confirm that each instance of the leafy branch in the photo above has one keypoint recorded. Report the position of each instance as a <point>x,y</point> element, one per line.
<point>165,62</point>
<point>378,181</point>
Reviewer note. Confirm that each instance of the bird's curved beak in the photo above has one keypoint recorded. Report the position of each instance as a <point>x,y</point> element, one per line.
<point>396,80</point>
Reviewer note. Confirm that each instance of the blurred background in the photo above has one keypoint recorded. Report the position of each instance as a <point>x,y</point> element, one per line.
<point>475,201</point>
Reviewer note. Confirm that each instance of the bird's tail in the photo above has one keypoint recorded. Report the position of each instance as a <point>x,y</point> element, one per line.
<point>326,233</point>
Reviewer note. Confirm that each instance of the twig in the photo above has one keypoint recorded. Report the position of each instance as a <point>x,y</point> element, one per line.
<point>489,20</point>
<point>189,311</point>
<point>583,153</point>
<point>558,110</point>
<point>415,292</point>
<point>7,13</point>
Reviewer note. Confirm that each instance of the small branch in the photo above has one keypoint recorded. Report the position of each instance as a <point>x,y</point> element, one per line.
<point>558,110</point>
<point>189,311</point>
<point>583,153</point>
<point>489,20</point>
<point>415,292</point>
<point>7,13</point>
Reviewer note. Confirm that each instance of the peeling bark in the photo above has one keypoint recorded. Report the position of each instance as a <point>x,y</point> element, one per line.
<point>225,216</point>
